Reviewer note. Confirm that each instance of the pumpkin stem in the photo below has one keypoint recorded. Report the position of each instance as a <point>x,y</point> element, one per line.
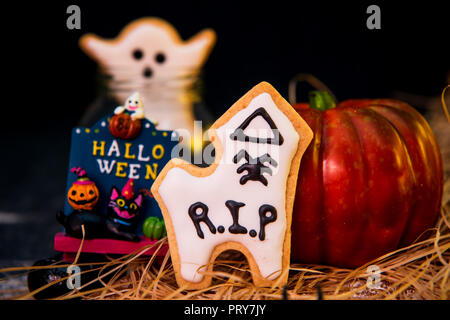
<point>321,100</point>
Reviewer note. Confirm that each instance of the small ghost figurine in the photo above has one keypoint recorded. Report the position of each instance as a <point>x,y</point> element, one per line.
<point>133,106</point>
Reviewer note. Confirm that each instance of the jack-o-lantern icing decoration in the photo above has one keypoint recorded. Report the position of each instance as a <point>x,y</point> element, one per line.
<point>83,194</point>
<point>126,122</point>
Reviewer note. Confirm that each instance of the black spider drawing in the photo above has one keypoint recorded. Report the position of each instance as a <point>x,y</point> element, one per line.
<point>255,167</point>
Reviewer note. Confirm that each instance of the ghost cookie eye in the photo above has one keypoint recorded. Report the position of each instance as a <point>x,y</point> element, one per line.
<point>160,57</point>
<point>138,54</point>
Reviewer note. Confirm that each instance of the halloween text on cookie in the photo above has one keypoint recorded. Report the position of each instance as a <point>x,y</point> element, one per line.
<point>244,200</point>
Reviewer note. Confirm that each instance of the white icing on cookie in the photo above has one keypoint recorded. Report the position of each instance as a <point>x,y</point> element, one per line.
<point>180,190</point>
<point>149,56</point>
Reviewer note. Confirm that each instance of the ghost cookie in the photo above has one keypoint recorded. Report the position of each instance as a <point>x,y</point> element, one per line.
<point>149,56</point>
<point>244,200</point>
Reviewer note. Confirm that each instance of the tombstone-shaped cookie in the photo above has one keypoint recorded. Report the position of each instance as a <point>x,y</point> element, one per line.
<point>149,56</point>
<point>244,200</point>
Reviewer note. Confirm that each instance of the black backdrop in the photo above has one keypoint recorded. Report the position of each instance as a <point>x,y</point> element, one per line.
<point>257,41</point>
<point>49,82</point>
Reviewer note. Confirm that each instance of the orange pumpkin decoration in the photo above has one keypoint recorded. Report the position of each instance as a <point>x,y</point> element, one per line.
<point>124,127</point>
<point>83,194</point>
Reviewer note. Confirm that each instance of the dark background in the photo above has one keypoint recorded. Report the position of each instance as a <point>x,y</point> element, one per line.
<point>49,81</point>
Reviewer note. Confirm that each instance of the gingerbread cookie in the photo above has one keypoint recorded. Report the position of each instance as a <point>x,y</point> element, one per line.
<point>244,200</point>
<point>149,56</point>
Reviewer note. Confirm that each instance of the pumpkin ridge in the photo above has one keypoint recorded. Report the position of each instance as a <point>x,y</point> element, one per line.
<point>359,254</point>
<point>340,197</point>
<point>386,237</point>
<point>422,160</point>
<point>400,135</point>
<point>408,157</point>
<point>308,219</point>
<point>322,221</point>
<point>358,247</point>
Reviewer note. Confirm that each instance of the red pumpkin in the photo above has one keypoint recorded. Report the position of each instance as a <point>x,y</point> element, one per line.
<point>124,127</point>
<point>370,182</point>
